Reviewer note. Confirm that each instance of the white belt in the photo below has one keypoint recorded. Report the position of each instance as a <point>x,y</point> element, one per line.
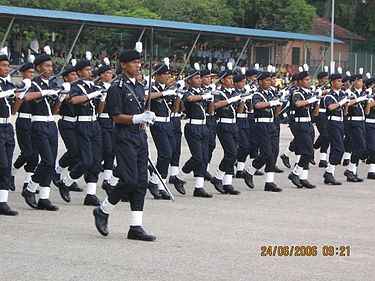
<point>302,119</point>
<point>24,115</point>
<point>369,120</point>
<point>176,114</point>
<point>41,118</point>
<point>323,110</point>
<point>4,120</point>
<point>162,119</point>
<point>227,120</point>
<point>335,118</point>
<point>197,121</point>
<point>356,118</point>
<point>207,114</point>
<point>241,115</point>
<point>86,118</point>
<point>103,115</point>
<point>69,118</point>
<point>264,120</point>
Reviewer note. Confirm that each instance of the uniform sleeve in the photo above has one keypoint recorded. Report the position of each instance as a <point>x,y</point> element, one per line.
<point>114,101</point>
<point>328,100</point>
<point>75,91</point>
<point>256,99</point>
<point>186,95</point>
<point>297,96</point>
<point>218,97</point>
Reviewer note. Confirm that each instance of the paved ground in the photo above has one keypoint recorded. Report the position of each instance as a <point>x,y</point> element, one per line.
<point>199,239</point>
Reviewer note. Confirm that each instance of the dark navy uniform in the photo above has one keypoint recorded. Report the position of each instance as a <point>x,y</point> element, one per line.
<point>370,140</point>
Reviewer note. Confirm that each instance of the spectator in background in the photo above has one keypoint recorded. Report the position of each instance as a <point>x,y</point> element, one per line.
<point>34,45</point>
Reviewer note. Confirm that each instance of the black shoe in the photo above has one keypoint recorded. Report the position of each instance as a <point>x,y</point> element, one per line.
<point>218,184</point>
<point>12,185</point>
<point>208,176</point>
<point>358,178</point>
<point>330,179</point>
<point>285,160</point>
<point>101,221</point>
<point>271,186</point>
<point>230,189</point>
<point>165,195</point>
<point>323,164</point>
<point>25,184</point>
<point>6,210</point>
<point>29,198</point>
<point>64,190</point>
<point>91,200</point>
<point>258,173</point>
<point>154,190</point>
<point>371,176</point>
<point>312,162</point>
<point>239,175</point>
<point>179,185</point>
<point>137,233</point>
<point>248,179</point>
<point>107,187</point>
<point>75,188</point>
<point>295,180</point>
<point>307,184</point>
<point>55,178</point>
<point>278,170</point>
<point>350,176</point>
<point>200,192</point>
<point>346,162</point>
<point>316,145</point>
<point>46,204</point>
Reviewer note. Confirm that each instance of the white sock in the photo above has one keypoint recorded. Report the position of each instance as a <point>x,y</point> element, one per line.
<point>352,167</point>
<point>113,180</point>
<point>298,157</point>
<point>160,185</point>
<point>251,170</point>
<point>270,177</point>
<point>68,181</point>
<point>154,179</point>
<point>44,192</point>
<point>297,170</point>
<point>347,155</point>
<point>219,174</point>
<point>240,166</point>
<point>174,171</point>
<point>181,175</point>
<point>59,169</point>
<point>371,169</point>
<point>227,180</point>
<point>13,172</point>
<point>323,156</point>
<point>136,218</point>
<point>199,182</point>
<point>91,188</point>
<point>32,186</point>
<point>288,153</point>
<point>28,177</point>
<point>4,196</point>
<point>331,169</point>
<point>107,175</point>
<point>208,167</point>
<point>107,207</point>
<point>304,174</point>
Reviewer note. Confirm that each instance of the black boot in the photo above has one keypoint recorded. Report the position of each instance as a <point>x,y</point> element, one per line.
<point>55,178</point>
<point>25,184</point>
<point>165,195</point>
<point>323,164</point>
<point>138,233</point>
<point>307,184</point>
<point>12,185</point>
<point>91,200</point>
<point>6,210</point>
<point>330,179</point>
<point>312,162</point>
<point>258,173</point>
<point>29,198</point>
<point>179,185</point>
<point>107,187</point>
<point>64,190</point>
<point>350,176</point>
<point>201,192</point>
<point>248,179</point>
<point>208,176</point>
<point>358,178</point>
<point>101,221</point>
<point>295,180</point>
<point>239,174</point>
<point>230,189</point>
<point>46,204</point>
<point>218,184</point>
<point>278,170</point>
<point>154,190</point>
<point>75,188</point>
<point>271,186</point>
<point>371,176</point>
<point>285,160</point>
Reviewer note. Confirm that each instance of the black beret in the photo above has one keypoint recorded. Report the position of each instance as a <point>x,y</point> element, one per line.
<point>42,58</point>
<point>224,73</point>
<point>118,70</point>
<point>302,75</point>
<point>273,74</point>
<point>161,69</point>
<point>191,73</point>
<point>4,57</point>
<point>26,66</point>
<point>294,76</point>
<point>129,55</point>
<point>322,74</point>
<point>82,64</point>
<point>368,82</point>
<point>205,72</point>
<point>335,76</point>
<point>238,78</point>
<point>95,73</point>
<point>357,77</point>
<point>264,75</point>
<point>251,72</point>
<point>104,68</point>
<point>346,78</point>
<point>68,70</point>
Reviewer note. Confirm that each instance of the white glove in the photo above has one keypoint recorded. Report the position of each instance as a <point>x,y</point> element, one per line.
<point>319,92</point>
<point>21,95</point>
<point>49,93</point>
<point>207,96</point>
<point>180,95</point>
<point>66,86</point>
<point>275,103</point>
<point>27,83</point>
<point>368,91</point>
<point>62,97</point>
<point>348,92</point>
<point>180,84</point>
<point>312,100</point>
<point>94,94</point>
<point>247,87</point>
<point>168,93</point>
<point>361,99</point>
<point>234,99</point>
<point>213,87</point>
<point>7,93</point>
<point>343,101</point>
<point>103,97</point>
<point>145,117</point>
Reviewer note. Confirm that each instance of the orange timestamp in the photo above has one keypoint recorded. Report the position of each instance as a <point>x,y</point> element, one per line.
<point>305,251</point>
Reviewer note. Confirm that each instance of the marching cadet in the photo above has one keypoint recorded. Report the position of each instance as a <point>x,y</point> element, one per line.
<point>370,128</point>
<point>227,133</point>
<point>303,102</point>
<point>321,121</point>
<point>356,128</point>
<point>265,109</point>
<point>348,141</point>
<point>42,97</point>
<point>7,142</point>
<point>125,101</point>
<point>66,127</point>
<point>336,103</point>
<point>196,132</point>
<point>88,134</point>
<point>28,157</point>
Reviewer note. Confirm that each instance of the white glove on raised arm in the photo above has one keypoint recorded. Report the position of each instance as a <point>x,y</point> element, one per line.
<point>234,99</point>
<point>62,97</point>
<point>207,96</point>
<point>49,93</point>
<point>343,101</point>
<point>66,86</point>
<point>145,117</point>
<point>275,103</point>
<point>361,99</point>
<point>103,97</point>
<point>7,93</point>
<point>180,84</point>
<point>312,100</point>
<point>94,94</point>
<point>168,93</point>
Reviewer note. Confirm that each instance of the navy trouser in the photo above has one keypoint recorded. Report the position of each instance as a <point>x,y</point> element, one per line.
<point>304,138</point>
<point>244,139</point>
<point>253,145</point>
<point>107,149</point>
<point>266,137</point>
<point>357,132</point>
<point>197,137</point>
<point>211,125</point>
<point>131,152</point>
<point>176,154</point>
<point>89,140</point>
<point>348,141</point>
<point>29,154</point>
<point>277,124</point>
<point>7,145</point>
<point>321,125</point>
<point>336,141</point>
<point>162,134</point>
<point>228,137</point>
<point>370,141</point>
<point>45,136</point>
<point>67,132</point>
